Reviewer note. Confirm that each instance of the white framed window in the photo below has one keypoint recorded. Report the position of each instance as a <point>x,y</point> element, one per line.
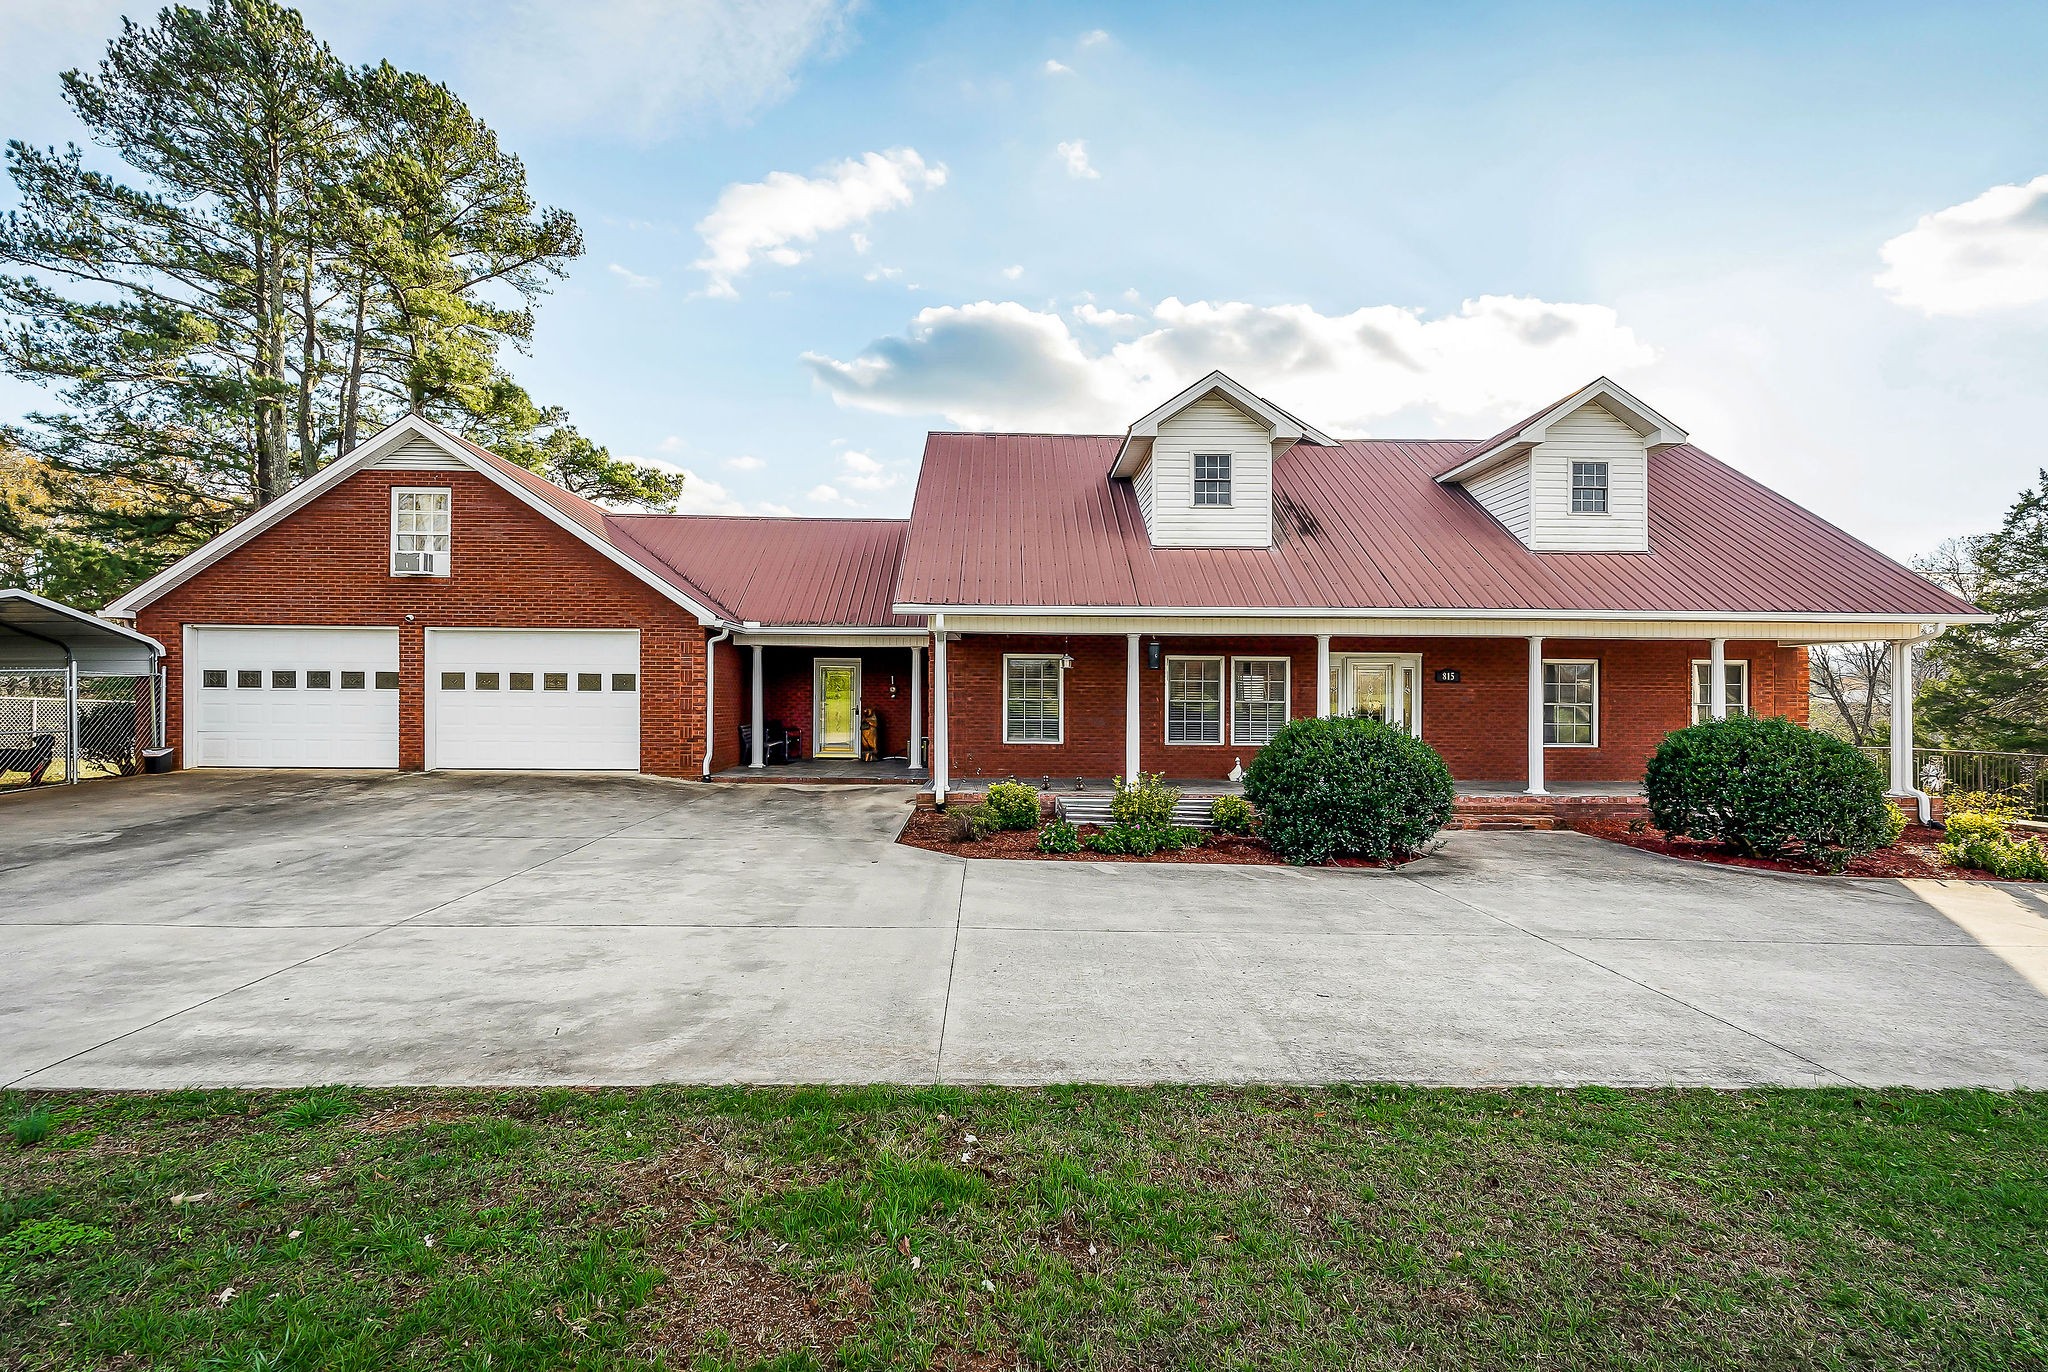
<point>1212,478</point>
<point>1735,673</point>
<point>1589,488</point>
<point>1258,699</point>
<point>1571,703</point>
<point>1034,698</point>
<point>1194,700</point>
<point>420,528</point>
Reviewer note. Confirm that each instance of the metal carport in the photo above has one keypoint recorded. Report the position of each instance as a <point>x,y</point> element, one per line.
<point>41,639</point>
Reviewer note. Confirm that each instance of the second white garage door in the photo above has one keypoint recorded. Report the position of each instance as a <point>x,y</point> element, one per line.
<point>554,700</point>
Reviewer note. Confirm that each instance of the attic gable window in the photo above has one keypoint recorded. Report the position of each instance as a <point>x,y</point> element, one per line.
<point>1589,488</point>
<point>420,531</point>
<point>1212,479</point>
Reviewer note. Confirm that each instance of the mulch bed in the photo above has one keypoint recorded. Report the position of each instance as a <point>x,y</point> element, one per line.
<point>931,830</point>
<point>1914,856</point>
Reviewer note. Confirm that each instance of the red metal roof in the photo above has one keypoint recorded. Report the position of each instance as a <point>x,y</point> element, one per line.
<point>1030,519</point>
<point>792,572</point>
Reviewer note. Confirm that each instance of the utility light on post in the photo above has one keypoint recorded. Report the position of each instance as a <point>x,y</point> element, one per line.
<point>1152,654</point>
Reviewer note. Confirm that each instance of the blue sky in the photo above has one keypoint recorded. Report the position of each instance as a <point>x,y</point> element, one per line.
<point>1812,235</point>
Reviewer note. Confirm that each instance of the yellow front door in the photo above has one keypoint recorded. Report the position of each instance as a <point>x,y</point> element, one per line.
<point>838,695</point>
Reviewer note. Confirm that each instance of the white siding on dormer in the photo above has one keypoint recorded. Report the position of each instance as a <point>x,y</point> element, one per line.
<point>1141,486</point>
<point>1210,425</point>
<point>1592,434</point>
<point>1504,492</point>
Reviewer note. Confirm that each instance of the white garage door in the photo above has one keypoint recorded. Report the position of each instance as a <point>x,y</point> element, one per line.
<point>291,697</point>
<point>560,700</point>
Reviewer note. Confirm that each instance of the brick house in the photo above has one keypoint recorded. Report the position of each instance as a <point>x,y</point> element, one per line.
<point>1542,607</point>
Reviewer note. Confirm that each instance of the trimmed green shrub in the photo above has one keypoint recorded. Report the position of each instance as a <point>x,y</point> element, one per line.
<point>1982,841</point>
<point>1231,815</point>
<point>1325,787</point>
<point>1012,805</point>
<point>1768,788</point>
<point>1895,823</point>
<point>1059,837</point>
<point>1143,840</point>
<point>971,824</point>
<point>1143,800</point>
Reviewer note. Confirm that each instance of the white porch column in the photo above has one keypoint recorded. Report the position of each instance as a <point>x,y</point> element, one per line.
<point>1903,780</point>
<point>760,749</point>
<point>1536,716</point>
<point>916,749</point>
<point>1322,676</point>
<point>1717,678</point>
<point>939,759</point>
<point>1132,715</point>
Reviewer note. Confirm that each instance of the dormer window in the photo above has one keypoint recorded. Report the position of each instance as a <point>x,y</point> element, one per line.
<point>420,531</point>
<point>1212,478</point>
<point>1589,488</point>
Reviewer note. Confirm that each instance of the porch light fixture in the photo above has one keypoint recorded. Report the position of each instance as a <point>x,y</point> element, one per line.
<point>1066,662</point>
<point>1152,654</point>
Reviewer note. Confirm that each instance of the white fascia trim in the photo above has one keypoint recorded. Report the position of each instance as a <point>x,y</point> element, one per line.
<point>1657,431</point>
<point>412,425</point>
<point>1284,426</point>
<point>1353,612</point>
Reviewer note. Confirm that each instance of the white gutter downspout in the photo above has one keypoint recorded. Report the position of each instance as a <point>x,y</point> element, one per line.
<point>710,678</point>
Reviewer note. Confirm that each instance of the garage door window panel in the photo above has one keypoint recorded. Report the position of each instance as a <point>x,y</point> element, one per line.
<point>421,531</point>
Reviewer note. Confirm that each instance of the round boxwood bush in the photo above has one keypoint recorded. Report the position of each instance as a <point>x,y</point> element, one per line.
<point>1769,788</point>
<point>1350,787</point>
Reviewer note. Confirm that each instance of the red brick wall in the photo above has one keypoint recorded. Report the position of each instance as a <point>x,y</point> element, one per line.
<point>329,564</point>
<point>729,680</point>
<point>1478,723</point>
<point>787,698</point>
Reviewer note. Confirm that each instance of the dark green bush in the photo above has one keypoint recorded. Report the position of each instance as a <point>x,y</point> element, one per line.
<point>1059,837</point>
<point>1143,840</point>
<point>1230,815</point>
<point>1769,788</point>
<point>1012,805</point>
<point>1330,787</point>
<point>1143,800</point>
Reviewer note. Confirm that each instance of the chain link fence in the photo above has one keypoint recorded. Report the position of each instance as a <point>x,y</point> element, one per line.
<point>116,721</point>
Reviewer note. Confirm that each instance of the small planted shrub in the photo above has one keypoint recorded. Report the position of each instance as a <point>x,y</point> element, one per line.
<point>32,1126</point>
<point>1059,837</point>
<point>1012,805</point>
<point>1143,840</point>
<point>1231,815</point>
<point>971,824</point>
<point>1768,788</point>
<point>1331,787</point>
<point>1143,800</point>
<point>1979,837</point>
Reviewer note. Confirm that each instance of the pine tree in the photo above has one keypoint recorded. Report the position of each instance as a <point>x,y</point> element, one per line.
<point>1993,690</point>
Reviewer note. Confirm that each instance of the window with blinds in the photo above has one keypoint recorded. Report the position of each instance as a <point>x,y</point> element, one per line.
<point>1258,699</point>
<point>1194,700</point>
<point>1031,699</point>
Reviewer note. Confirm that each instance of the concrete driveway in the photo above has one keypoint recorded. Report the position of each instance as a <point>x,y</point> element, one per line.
<point>282,928</point>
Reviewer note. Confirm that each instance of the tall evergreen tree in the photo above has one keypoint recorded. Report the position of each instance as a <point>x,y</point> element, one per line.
<point>310,252</point>
<point>1993,689</point>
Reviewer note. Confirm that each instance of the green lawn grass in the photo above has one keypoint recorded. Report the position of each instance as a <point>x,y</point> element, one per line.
<point>1083,1227</point>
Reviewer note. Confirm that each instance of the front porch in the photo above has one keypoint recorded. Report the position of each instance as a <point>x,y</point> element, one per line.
<point>829,771</point>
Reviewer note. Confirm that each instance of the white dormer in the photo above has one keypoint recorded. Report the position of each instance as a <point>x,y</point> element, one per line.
<point>1202,465</point>
<point>1573,478</point>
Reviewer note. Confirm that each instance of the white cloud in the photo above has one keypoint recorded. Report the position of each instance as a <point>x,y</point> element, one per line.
<point>1012,273</point>
<point>1075,155</point>
<point>674,443</point>
<point>633,279</point>
<point>768,218</point>
<point>1057,68</point>
<point>865,473</point>
<point>860,242</point>
<point>1005,365</point>
<point>642,66</point>
<point>744,463</point>
<point>1104,319</point>
<point>1094,38</point>
<point>882,274</point>
<point>769,507</point>
<point>704,496</point>
<point>1985,254</point>
<point>823,494</point>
